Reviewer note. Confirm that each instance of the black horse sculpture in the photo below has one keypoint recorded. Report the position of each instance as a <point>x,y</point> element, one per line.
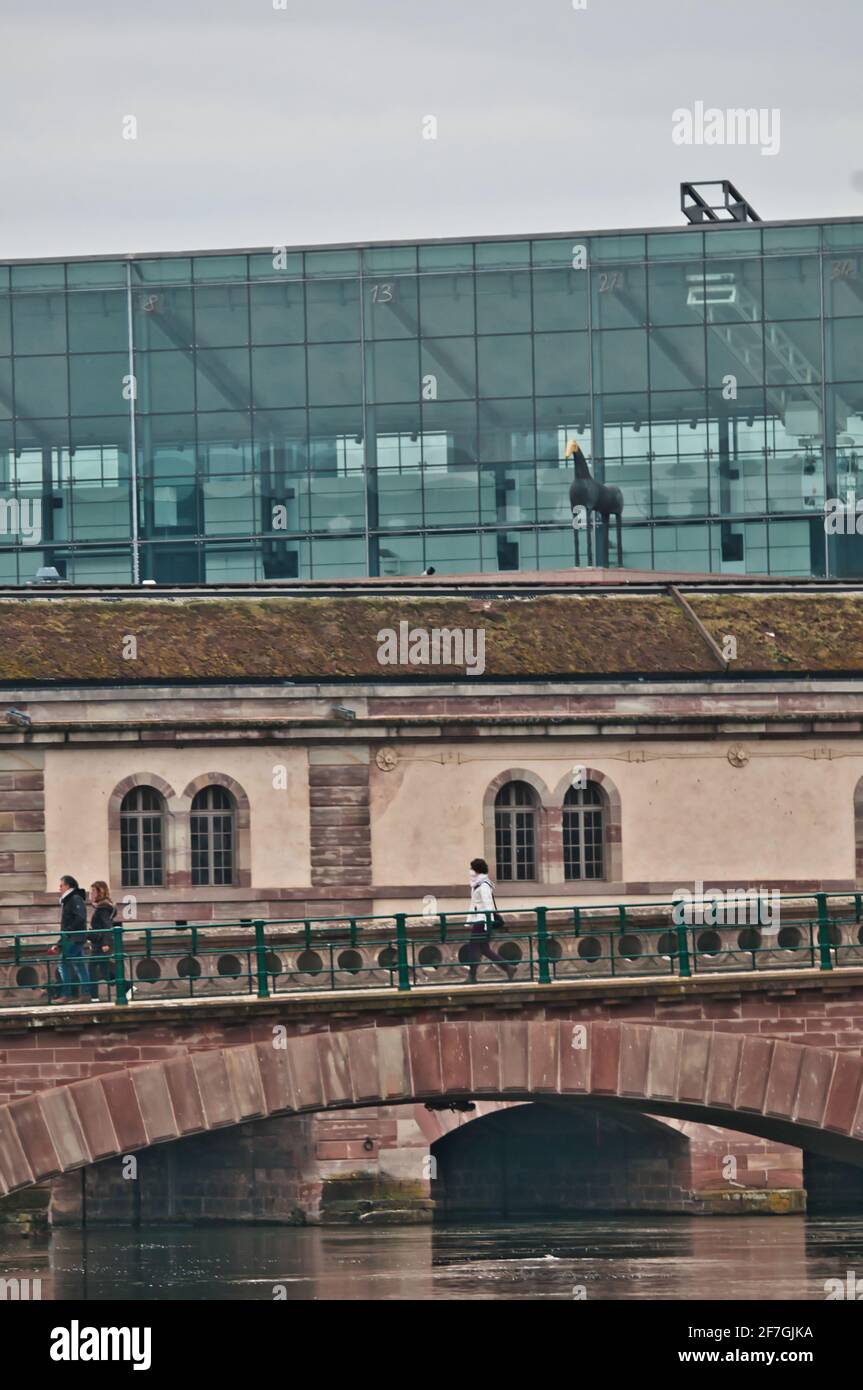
<point>586,492</point>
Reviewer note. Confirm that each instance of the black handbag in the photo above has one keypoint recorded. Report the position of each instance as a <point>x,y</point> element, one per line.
<point>497,920</point>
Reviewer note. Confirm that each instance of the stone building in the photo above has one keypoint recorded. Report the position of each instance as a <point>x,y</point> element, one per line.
<point>343,750</point>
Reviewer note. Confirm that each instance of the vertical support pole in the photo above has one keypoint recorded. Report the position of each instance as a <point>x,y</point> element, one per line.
<point>119,965</point>
<point>684,968</point>
<point>261,961</point>
<point>542,946</point>
<point>402,952</point>
<point>825,959</point>
<point>133,442</point>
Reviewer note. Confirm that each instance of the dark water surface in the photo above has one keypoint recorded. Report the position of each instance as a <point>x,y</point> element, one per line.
<point>750,1258</point>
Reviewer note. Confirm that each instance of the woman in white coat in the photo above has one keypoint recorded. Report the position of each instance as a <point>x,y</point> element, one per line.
<point>482,903</point>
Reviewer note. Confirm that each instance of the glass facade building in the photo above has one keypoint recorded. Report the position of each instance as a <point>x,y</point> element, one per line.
<point>377,409</point>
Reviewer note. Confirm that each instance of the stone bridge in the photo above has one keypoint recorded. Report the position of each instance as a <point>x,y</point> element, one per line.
<point>779,1057</point>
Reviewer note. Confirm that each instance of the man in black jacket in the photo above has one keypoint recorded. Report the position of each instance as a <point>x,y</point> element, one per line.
<point>73,936</point>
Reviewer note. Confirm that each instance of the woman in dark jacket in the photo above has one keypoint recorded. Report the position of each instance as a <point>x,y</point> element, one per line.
<point>101,935</point>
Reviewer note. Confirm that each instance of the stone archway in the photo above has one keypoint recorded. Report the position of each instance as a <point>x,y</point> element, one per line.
<point>806,1096</point>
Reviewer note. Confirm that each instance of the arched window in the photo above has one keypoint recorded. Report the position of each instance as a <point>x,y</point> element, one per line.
<point>142,839</point>
<point>213,836</point>
<point>583,832</point>
<point>515,832</point>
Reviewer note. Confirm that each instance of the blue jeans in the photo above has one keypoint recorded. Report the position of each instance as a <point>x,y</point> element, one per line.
<point>72,969</point>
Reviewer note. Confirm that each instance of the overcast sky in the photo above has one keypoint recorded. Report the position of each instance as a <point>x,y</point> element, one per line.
<point>259,126</point>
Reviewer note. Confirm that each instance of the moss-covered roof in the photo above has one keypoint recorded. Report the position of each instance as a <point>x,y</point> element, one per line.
<point>291,637</point>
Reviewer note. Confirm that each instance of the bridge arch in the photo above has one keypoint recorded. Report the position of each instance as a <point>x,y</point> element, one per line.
<point>806,1096</point>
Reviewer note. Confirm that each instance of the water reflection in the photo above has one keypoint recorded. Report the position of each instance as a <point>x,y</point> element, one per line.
<point>749,1258</point>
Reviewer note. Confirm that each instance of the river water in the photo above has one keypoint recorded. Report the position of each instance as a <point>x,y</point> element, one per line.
<point>695,1258</point>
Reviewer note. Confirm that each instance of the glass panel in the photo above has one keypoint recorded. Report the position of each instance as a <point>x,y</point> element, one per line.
<point>456,553</point>
<point>446,305</point>
<point>335,374</point>
<point>687,244</point>
<point>792,354</point>
<point>448,368</point>
<point>505,365</point>
<point>792,287</point>
<point>166,381</point>
<point>6,406</point>
<point>791,546</point>
<point>735,355</point>
<point>845,342</point>
<point>220,268</point>
<point>619,296</point>
<point>791,238</point>
<point>275,264</point>
<point>333,262</point>
<point>617,248</point>
<point>383,259</point>
<point>332,559</point>
<point>163,270</point>
<point>732,291</point>
<point>620,360</point>
<point>677,358</point>
<point>26,277</point>
<point>39,323</point>
<point>676,293</point>
<point>495,253</point>
<point>336,441</point>
<point>508,495</point>
<point>560,299</point>
<point>41,387</point>
<point>503,302</point>
<point>278,377</point>
<point>559,251</point>
<point>449,433</point>
<point>84,274</point>
<point>391,308</point>
<point>166,445</point>
<point>451,498</point>
<point>841,234</point>
<point>333,311</point>
<point>98,322</point>
<point>506,431</point>
<point>222,379</point>
<point>221,315</point>
<point>557,421</point>
<point>561,363</point>
<point>682,548</point>
<point>97,383</point>
<point>446,256</point>
<point>401,555</point>
<point>732,241</point>
<point>278,312</point>
<point>162,318</point>
<point>393,372</point>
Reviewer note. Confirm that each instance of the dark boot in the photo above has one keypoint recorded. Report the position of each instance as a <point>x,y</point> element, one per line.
<point>472,975</point>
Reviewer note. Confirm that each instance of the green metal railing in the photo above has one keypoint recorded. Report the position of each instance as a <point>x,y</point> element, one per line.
<point>406,951</point>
